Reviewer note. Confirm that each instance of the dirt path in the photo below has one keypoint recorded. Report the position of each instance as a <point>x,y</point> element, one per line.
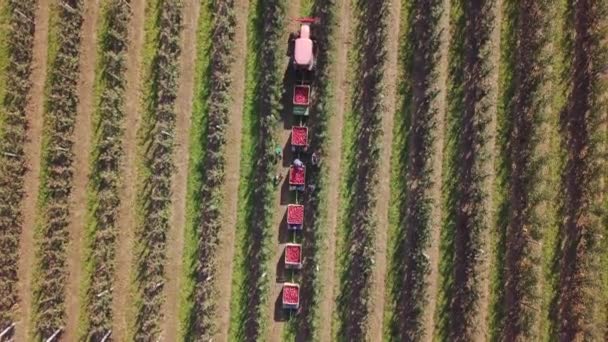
<point>183,106</point>
<point>280,237</point>
<point>122,304</point>
<point>232,169</point>
<point>484,300</point>
<point>333,159</point>
<point>34,112</point>
<point>384,191</point>
<point>436,191</point>
<point>82,147</point>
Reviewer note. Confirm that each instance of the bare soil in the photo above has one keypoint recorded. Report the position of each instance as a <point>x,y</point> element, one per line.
<point>183,105</point>
<point>280,237</point>
<point>34,112</point>
<point>333,159</point>
<point>384,190</point>
<point>82,147</point>
<point>123,297</point>
<point>232,169</point>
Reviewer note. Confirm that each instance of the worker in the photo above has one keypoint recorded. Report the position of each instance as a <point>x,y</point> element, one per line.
<point>298,163</point>
<point>278,152</point>
<point>314,159</point>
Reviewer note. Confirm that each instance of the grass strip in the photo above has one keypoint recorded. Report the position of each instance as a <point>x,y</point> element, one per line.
<point>16,44</point>
<point>196,163</point>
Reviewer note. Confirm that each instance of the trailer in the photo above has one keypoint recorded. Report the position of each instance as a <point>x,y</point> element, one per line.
<point>295,216</point>
<point>297,178</point>
<point>299,139</point>
<point>301,99</point>
<point>291,296</point>
<point>293,256</point>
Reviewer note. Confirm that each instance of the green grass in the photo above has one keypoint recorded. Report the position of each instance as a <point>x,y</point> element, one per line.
<point>248,146</point>
<point>197,154</point>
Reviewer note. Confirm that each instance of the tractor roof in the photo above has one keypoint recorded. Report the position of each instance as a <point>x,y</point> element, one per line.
<point>303,50</point>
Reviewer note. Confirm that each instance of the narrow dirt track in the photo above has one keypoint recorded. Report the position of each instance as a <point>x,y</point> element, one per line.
<point>233,165</point>
<point>436,191</point>
<point>384,172</point>
<point>489,183</point>
<point>122,304</point>
<point>82,148</point>
<point>34,110</point>
<point>183,106</point>
<point>334,157</point>
<point>276,326</point>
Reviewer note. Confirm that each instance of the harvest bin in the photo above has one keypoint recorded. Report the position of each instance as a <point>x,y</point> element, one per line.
<point>297,178</point>
<point>293,256</point>
<point>295,216</point>
<point>301,100</point>
<point>299,138</point>
<point>291,296</point>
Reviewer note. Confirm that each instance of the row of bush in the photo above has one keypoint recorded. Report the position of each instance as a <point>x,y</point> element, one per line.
<point>413,154</point>
<point>358,251</point>
<point>520,117</point>
<point>468,167</point>
<point>158,132</point>
<point>105,174</point>
<point>306,325</point>
<point>20,37</point>
<point>208,218</point>
<point>259,217</point>
<point>57,169</point>
<point>583,119</point>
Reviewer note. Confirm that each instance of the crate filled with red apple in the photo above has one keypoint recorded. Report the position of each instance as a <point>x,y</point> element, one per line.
<point>291,296</point>
<point>293,256</point>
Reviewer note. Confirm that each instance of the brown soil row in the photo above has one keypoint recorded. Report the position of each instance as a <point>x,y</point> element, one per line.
<point>472,166</point>
<point>577,319</point>
<point>391,77</point>
<point>411,263</point>
<point>82,146</point>
<point>522,248</point>
<point>332,162</point>
<point>225,250</point>
<point>32,149</point>
<point>122,304</point>
<point>361,259</point>
<point>183,106</point>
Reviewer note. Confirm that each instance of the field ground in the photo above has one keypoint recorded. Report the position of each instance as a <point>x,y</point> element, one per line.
<point>462,193</point>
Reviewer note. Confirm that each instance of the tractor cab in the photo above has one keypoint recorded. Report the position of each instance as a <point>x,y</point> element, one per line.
<point>304,46</point>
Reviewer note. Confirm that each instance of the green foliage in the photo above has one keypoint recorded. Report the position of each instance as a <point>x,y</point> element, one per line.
<point>57,169</point>
<point>358,231</point>
<point>467,168</point>
<point>158,134</point>
<point>19,43</point>
<point>413,151</point>
<point>105,180</point>
<point>208,219</point>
